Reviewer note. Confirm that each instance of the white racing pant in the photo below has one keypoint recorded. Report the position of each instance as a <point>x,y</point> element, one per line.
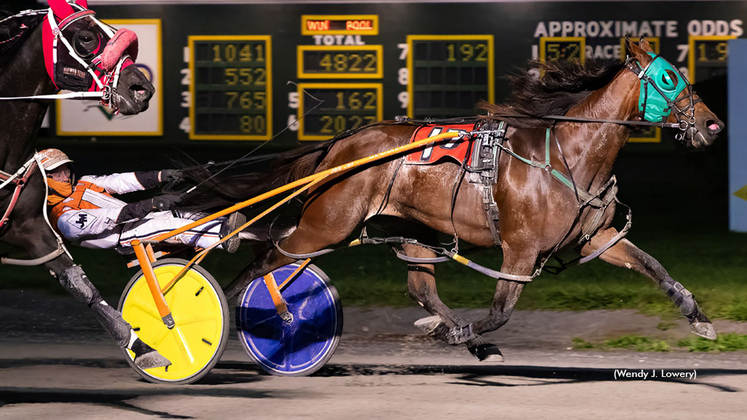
<point>156,224</point>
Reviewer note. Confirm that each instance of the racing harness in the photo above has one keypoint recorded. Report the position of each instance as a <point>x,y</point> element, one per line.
<point>20,179</point>
<point>483,169</point>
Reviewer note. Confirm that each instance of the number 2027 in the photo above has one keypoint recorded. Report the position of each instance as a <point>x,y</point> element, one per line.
<point>339,123</point>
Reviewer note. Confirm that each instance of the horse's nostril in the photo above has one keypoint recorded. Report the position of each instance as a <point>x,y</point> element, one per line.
<point>140,93</point>
<point>713,126</point>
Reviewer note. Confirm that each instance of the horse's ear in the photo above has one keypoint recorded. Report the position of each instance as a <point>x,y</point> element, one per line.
<point>636,51</point>
<point>645,46</point>
<point>60,8</point>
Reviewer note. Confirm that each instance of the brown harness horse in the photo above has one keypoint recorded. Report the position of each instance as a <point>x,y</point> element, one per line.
<point>538,215</point>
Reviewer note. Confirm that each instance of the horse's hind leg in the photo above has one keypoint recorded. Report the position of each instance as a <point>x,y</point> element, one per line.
<point>444,324</point>
<point>625,254</point>
<point>518,262</point>
<point>421,285</point>
<point>267,260</point>
<point>322,225</point>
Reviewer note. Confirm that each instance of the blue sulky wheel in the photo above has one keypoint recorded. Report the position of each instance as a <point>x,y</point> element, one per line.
<point>305,344</point>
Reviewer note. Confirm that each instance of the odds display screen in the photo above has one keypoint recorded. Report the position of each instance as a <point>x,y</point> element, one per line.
<point>339,62</point>
<point>326,109</point>
<point>562,48</point>
<point>449,74</point>
<point>231,87</point>
<point>708,57</point>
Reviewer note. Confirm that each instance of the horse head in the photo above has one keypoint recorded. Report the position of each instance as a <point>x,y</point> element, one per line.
<point>666,94</point>
<point>83,54</point>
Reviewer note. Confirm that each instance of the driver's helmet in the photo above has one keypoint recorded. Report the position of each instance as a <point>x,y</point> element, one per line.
<point>54,161</point>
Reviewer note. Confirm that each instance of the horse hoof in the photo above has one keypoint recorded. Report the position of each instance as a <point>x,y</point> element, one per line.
<point>487,353</point>
<point>703,329</point>
<point>151,360</point>
<point>429,324</point>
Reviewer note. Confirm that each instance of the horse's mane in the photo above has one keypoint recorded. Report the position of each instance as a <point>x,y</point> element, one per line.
<point>15,28</point>
<point>562,85</point>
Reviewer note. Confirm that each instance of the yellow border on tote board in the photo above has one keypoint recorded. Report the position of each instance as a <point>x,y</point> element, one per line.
<point>411,63</point>
<point>691,41</point>
<point>378,49</point>
<point>156,83</point>
<point>332,86</point>
<point>545,40</point>
<point>268,90</point>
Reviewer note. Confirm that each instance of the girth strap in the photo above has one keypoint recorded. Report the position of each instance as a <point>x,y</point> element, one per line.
<point>36,261</point>
<point>483,169</point>
<point>447,256</point>
<point>600,205</point>
<point>19,178</point>
<point>24,172</point>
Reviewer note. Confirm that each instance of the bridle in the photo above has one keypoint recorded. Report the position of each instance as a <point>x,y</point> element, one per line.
<point>650,94</point>
<point>105,82</point>
<point>658,107</point>
<point>101,68</point>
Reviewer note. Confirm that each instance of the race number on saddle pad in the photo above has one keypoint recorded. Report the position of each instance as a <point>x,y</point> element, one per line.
<point>456,149</point>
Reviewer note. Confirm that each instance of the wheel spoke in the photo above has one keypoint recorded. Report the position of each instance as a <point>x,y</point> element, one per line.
<point>160,338</point>
<point>147,308</point>
<point>194,319</point>
<point>183,344</point>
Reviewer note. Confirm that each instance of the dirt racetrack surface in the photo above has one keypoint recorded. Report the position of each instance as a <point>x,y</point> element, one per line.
<point>56,363</point>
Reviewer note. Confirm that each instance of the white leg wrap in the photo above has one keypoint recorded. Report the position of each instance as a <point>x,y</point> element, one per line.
<point>133,338</point>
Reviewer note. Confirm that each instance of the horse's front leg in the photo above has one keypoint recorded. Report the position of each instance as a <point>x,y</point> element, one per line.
<point>625,254</point>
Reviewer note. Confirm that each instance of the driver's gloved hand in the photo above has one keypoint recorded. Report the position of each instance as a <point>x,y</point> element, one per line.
<point>137,211</point>
<point>169,175</point>
<point>166,202</point>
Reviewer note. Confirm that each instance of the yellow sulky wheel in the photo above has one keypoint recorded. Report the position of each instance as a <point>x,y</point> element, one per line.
<point>200,312</point>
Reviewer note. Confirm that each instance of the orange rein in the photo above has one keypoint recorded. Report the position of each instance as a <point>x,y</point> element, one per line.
<point>306,182</point>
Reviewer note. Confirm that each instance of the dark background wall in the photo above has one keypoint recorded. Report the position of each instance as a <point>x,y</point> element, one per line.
<point>516,28</point>
<point>663,176</point>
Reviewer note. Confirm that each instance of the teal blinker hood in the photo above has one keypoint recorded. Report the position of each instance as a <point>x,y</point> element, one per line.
<point>667,83</point>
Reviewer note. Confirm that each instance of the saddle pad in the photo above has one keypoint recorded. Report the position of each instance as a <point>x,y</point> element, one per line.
<point>456,149</point>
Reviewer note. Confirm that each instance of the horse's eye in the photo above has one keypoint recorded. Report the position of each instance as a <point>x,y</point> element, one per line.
<point>84,43</point>
<point>669,80</point>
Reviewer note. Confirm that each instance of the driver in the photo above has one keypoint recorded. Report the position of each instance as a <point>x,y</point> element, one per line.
<point>89,216</point>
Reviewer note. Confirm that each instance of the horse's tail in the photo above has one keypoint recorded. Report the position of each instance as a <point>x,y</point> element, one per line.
<point>224,190</point>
